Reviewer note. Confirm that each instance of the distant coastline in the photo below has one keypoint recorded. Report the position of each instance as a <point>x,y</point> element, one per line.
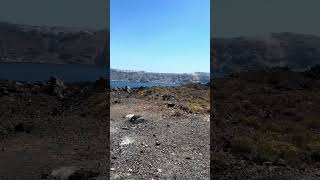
<point>172,78</point>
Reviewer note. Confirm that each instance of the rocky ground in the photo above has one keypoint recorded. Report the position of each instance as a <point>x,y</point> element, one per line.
<point>265,125</point>
<point>49,131</point>
<point>167,137</point>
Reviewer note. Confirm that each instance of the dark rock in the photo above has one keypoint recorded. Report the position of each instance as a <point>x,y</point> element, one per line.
<point>19,127</point>
<point>83,174</point>
<point>113,157</point>
<point>167,97</point>
<point>170,105</point>
<point>44,175</point>
<point>23,127</point>
<point>315,156</point>
<point>83,114</point>
<point>135,119</point>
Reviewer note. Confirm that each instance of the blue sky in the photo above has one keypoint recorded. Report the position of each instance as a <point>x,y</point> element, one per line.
<point>160,35</point>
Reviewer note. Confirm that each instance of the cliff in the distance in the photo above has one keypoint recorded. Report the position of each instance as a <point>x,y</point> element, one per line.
<point>57,45</point>
<point>296,51</point>
<point>142,76</point>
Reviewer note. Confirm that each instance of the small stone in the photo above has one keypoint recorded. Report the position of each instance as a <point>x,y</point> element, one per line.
<point>158,143</point>
<point>83,174</point>
<point>130,116</point>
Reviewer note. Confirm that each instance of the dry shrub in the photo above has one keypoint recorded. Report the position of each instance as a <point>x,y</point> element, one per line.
<point>273,150</point>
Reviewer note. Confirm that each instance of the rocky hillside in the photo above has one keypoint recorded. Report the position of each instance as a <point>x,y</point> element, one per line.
<point>297,51</point>
<point>266,125</point>
<point>58,45</point>
<point>142,76</point>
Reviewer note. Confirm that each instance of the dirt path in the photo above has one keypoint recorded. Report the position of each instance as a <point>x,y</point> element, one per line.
<point>162,147</point>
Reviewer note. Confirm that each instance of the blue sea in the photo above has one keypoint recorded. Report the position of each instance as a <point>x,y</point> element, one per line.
<point>67,72</point>
<point>42,72</point>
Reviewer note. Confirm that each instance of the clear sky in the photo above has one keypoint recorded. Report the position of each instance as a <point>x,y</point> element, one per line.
<point>160,35</point>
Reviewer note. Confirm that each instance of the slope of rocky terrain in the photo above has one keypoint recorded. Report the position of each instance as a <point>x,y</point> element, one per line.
<point>296,51</point>
<point>265,125</point>
<point>49,130</point>
<point>57,45</point>
<point>142,76</point>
